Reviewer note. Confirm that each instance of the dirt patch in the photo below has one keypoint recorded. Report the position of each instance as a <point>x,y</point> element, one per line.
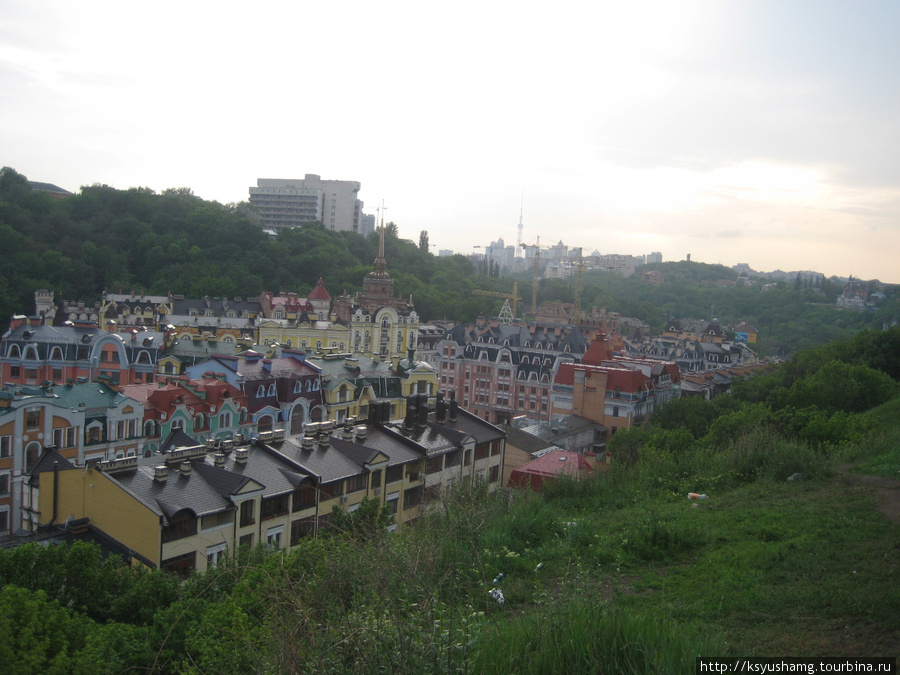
<point>887,490</point>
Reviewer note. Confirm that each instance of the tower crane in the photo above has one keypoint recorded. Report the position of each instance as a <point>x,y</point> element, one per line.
<point>507,313</point>
<point>537,271</point>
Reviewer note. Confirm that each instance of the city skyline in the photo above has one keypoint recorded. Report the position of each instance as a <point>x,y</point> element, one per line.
<point>749,132</point>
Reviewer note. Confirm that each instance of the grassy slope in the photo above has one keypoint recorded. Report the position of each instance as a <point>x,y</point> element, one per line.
<point>804,568</point>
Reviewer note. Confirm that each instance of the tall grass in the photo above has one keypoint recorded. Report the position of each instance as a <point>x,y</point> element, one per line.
<point>582,634</point>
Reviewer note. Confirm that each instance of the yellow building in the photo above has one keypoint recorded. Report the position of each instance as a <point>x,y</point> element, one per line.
<point>202,503</point>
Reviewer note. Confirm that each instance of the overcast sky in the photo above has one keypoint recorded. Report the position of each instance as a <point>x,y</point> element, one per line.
<point>754,131</point>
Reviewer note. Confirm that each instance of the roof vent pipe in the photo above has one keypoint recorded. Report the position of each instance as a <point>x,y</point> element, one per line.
<point>185,468</point>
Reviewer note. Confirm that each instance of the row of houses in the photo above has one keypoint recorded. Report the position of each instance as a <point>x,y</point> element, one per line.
<point>184,509</point>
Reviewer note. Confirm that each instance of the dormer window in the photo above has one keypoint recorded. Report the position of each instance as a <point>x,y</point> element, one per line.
<point>260,391</point>
<point>272,389</point>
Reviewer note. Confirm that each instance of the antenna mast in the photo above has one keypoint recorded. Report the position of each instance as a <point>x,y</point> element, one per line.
<point>521,211</point>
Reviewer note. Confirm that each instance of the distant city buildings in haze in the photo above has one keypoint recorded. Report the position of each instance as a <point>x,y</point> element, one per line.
<point>287,202</point>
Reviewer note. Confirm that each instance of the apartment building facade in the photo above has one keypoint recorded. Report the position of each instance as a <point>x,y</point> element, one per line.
<point>285,203</point>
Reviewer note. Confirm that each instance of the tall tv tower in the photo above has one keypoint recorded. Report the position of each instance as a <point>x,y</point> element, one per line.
<point>519,242</point>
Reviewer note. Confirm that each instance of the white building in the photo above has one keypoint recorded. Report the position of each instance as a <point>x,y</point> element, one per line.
<point>286,202</point>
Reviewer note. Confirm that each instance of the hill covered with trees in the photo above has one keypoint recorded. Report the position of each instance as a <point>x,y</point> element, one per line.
<point>121,240</point>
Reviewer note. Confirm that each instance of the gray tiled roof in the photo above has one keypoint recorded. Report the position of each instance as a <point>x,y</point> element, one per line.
<point>325,463</point>
<point>177,492</point>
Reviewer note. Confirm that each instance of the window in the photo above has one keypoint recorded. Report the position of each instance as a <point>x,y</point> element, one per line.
<point>247,513</point>
<point>178,424</point>
<point>273,506</point>
<point>376,479</point>
<point>273,537</point>
<point>304,527</point>
<point>304,498</point>
<point>330,490</point>
<point>32,418</point>
<point>5,446</point>
<point>394,474</point>
<point>225,419</point>
<point>393,500</point>
<point>412,497</point>
<point>32,450</point>
<point>494,474</point>
<point>434,464</point>
<point>4,520</point>
<point>260,391</point>
<point>180,528</point>
<point>246,540</point>
<point>215,554</point>
<point>272,389</point>
<point>356,483</point>
<point>180,565</point>
<point>4,483</point>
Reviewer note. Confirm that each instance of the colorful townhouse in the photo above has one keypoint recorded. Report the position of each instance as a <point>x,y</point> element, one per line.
<point>500,371</point>
<point>205,409</point>
<point>32,353</point>
<point>351,383</point>
<point>227,320</point>
<point>81,421</point>
<point>281,392</point>
<point>616,394</point>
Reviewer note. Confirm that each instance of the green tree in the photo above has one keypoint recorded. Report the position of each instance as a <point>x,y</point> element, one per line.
<point>423,240</point>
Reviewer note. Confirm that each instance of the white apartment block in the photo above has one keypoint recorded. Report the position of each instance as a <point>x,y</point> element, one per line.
<point>288,202</point>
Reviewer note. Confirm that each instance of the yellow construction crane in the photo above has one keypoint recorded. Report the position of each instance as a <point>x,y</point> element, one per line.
<point>508,313</point>
<point>537,273</point>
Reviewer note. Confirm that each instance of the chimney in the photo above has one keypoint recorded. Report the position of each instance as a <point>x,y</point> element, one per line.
<point>324,439</point>
<point>185,468</point>
<point>308,442</point>
<point>347,433</point>
<point>241,455</point>
<point>422,410</point>
<point>160,473</point>
<point>410,420</point>
<point>374,411</point>
<point>454,409</point>
<point>440,408</point>
<point>360,431</point>
<point>219,459</point>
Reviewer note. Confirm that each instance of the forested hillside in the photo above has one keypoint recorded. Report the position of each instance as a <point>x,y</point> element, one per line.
<point>119,240</point>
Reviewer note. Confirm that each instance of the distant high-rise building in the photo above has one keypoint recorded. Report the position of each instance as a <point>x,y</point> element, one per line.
<point>366,223</point>
<point>655,257</point>
<point>286,202</point>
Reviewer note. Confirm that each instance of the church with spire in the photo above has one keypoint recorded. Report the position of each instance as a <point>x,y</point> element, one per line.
<point>382,325</point>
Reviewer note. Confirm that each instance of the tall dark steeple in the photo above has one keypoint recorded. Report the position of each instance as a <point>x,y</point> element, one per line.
<point>379,285</point>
